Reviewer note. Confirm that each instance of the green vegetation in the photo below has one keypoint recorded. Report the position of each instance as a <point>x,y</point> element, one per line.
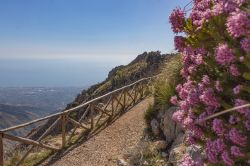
<point>145,154</point>
<point>150,112</point>
<point>31,160</point>
<point>164,87</point>
<point>163,92</point>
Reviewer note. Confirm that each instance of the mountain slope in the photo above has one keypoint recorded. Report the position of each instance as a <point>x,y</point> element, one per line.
<point>145,65</point>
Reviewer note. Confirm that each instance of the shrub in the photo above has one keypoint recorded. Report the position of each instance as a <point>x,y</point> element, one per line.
<point>149,114</point>
<point>215,50</point>
<point>163,93</point>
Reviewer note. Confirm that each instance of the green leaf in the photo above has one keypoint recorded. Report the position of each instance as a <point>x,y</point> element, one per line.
<point>247,63</point>
<point>246,88</point>
<point>246,75</point>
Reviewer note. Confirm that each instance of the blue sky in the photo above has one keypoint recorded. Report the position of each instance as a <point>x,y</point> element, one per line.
<point>85,28</point>
<point>56,38</point>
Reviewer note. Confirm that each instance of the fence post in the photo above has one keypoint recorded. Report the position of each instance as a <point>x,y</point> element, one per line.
<point>1,149</point>
<point>124,99</point>
<point>112,105</point>
<point>92,109</point>
<point>141,91</point>
<point>63,117</point>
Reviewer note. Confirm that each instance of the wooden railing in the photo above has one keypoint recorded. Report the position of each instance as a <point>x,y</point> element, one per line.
<point>94,114</point>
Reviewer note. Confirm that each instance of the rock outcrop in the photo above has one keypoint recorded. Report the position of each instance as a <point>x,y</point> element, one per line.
<point>172,133</point>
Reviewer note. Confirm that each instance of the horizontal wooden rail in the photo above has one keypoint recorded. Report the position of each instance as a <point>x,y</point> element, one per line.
<point>28,141</point>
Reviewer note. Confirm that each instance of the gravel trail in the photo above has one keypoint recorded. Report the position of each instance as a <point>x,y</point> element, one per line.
<point>107,146</point>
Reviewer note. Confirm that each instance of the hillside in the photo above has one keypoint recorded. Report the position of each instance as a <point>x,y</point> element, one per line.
<point>16,114</point>
<point>22,104</point>
<point>144,65</point>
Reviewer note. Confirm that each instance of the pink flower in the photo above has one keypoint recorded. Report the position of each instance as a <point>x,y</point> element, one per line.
<point>236,137</point>
<point>234,70</point>
<point>235,151</point>
<point>188,121</point>
<point>240,102</point>
<point>187,161</point>
<point>177,19</point>
<point>174,100</point>
<point>238,24</point>
<point>208,98</point>
<point>236,89</point>
<point>179,42</point>
<point>224,55</point>
<point>218,86</point>
<point>178,116</point>
<point>199,59</point>
<point>227,159</point>
<point>242,58</point>
<point>211,152</point>
<point>247,124</point>
<point>245,44</point>
<point>218,126</point>
<point>233,119</point>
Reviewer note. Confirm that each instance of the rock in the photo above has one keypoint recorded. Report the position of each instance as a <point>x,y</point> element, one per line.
<point>160,145</point>
<point>122,162</point>
<point>145,163</point>
<point>195,152</point>
<point>164,154</point>
<point>177,154</point>
<point>155,126</point>
<point>177,150</point>
<point>178,140</point>
<point>167,125</point>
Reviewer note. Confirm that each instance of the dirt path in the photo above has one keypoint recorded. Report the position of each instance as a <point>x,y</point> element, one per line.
<point>104,148</point>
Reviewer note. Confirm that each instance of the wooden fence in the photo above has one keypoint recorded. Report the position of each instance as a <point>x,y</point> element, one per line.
<point>94,113</point>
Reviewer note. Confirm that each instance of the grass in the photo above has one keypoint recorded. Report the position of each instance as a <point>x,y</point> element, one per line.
<point>37,158</point>
<point>144,153</point>
<point>31,160</point>
<point>149,114</point>
<point>163,92</point>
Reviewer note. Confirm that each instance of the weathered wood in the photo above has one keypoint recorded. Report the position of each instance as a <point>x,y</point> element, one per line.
<point>124,99</point>
<point>30,123</point>
<point>63,120</point>
<point>92,109</point>
<point>110,98</point>
<point>103,111</point>
<point>112,105</point>
<point>118,101</point>
<point>28,141</point>
<point>80,120</point>
<point>77,123</point>
<point>99,119</point>
<point>1,150</point>
<point>39,139</point>
<point>84,114</point>
<point>129,95</point>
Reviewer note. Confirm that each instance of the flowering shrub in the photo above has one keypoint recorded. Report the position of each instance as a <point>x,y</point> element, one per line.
<point>215,49</point>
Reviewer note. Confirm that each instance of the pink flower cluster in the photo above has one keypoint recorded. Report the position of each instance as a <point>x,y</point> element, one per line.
<point>177,19</point>
<point>224,55</point>
<point>238,24</point>
<point>245,44</point>
<point>213,79</point>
